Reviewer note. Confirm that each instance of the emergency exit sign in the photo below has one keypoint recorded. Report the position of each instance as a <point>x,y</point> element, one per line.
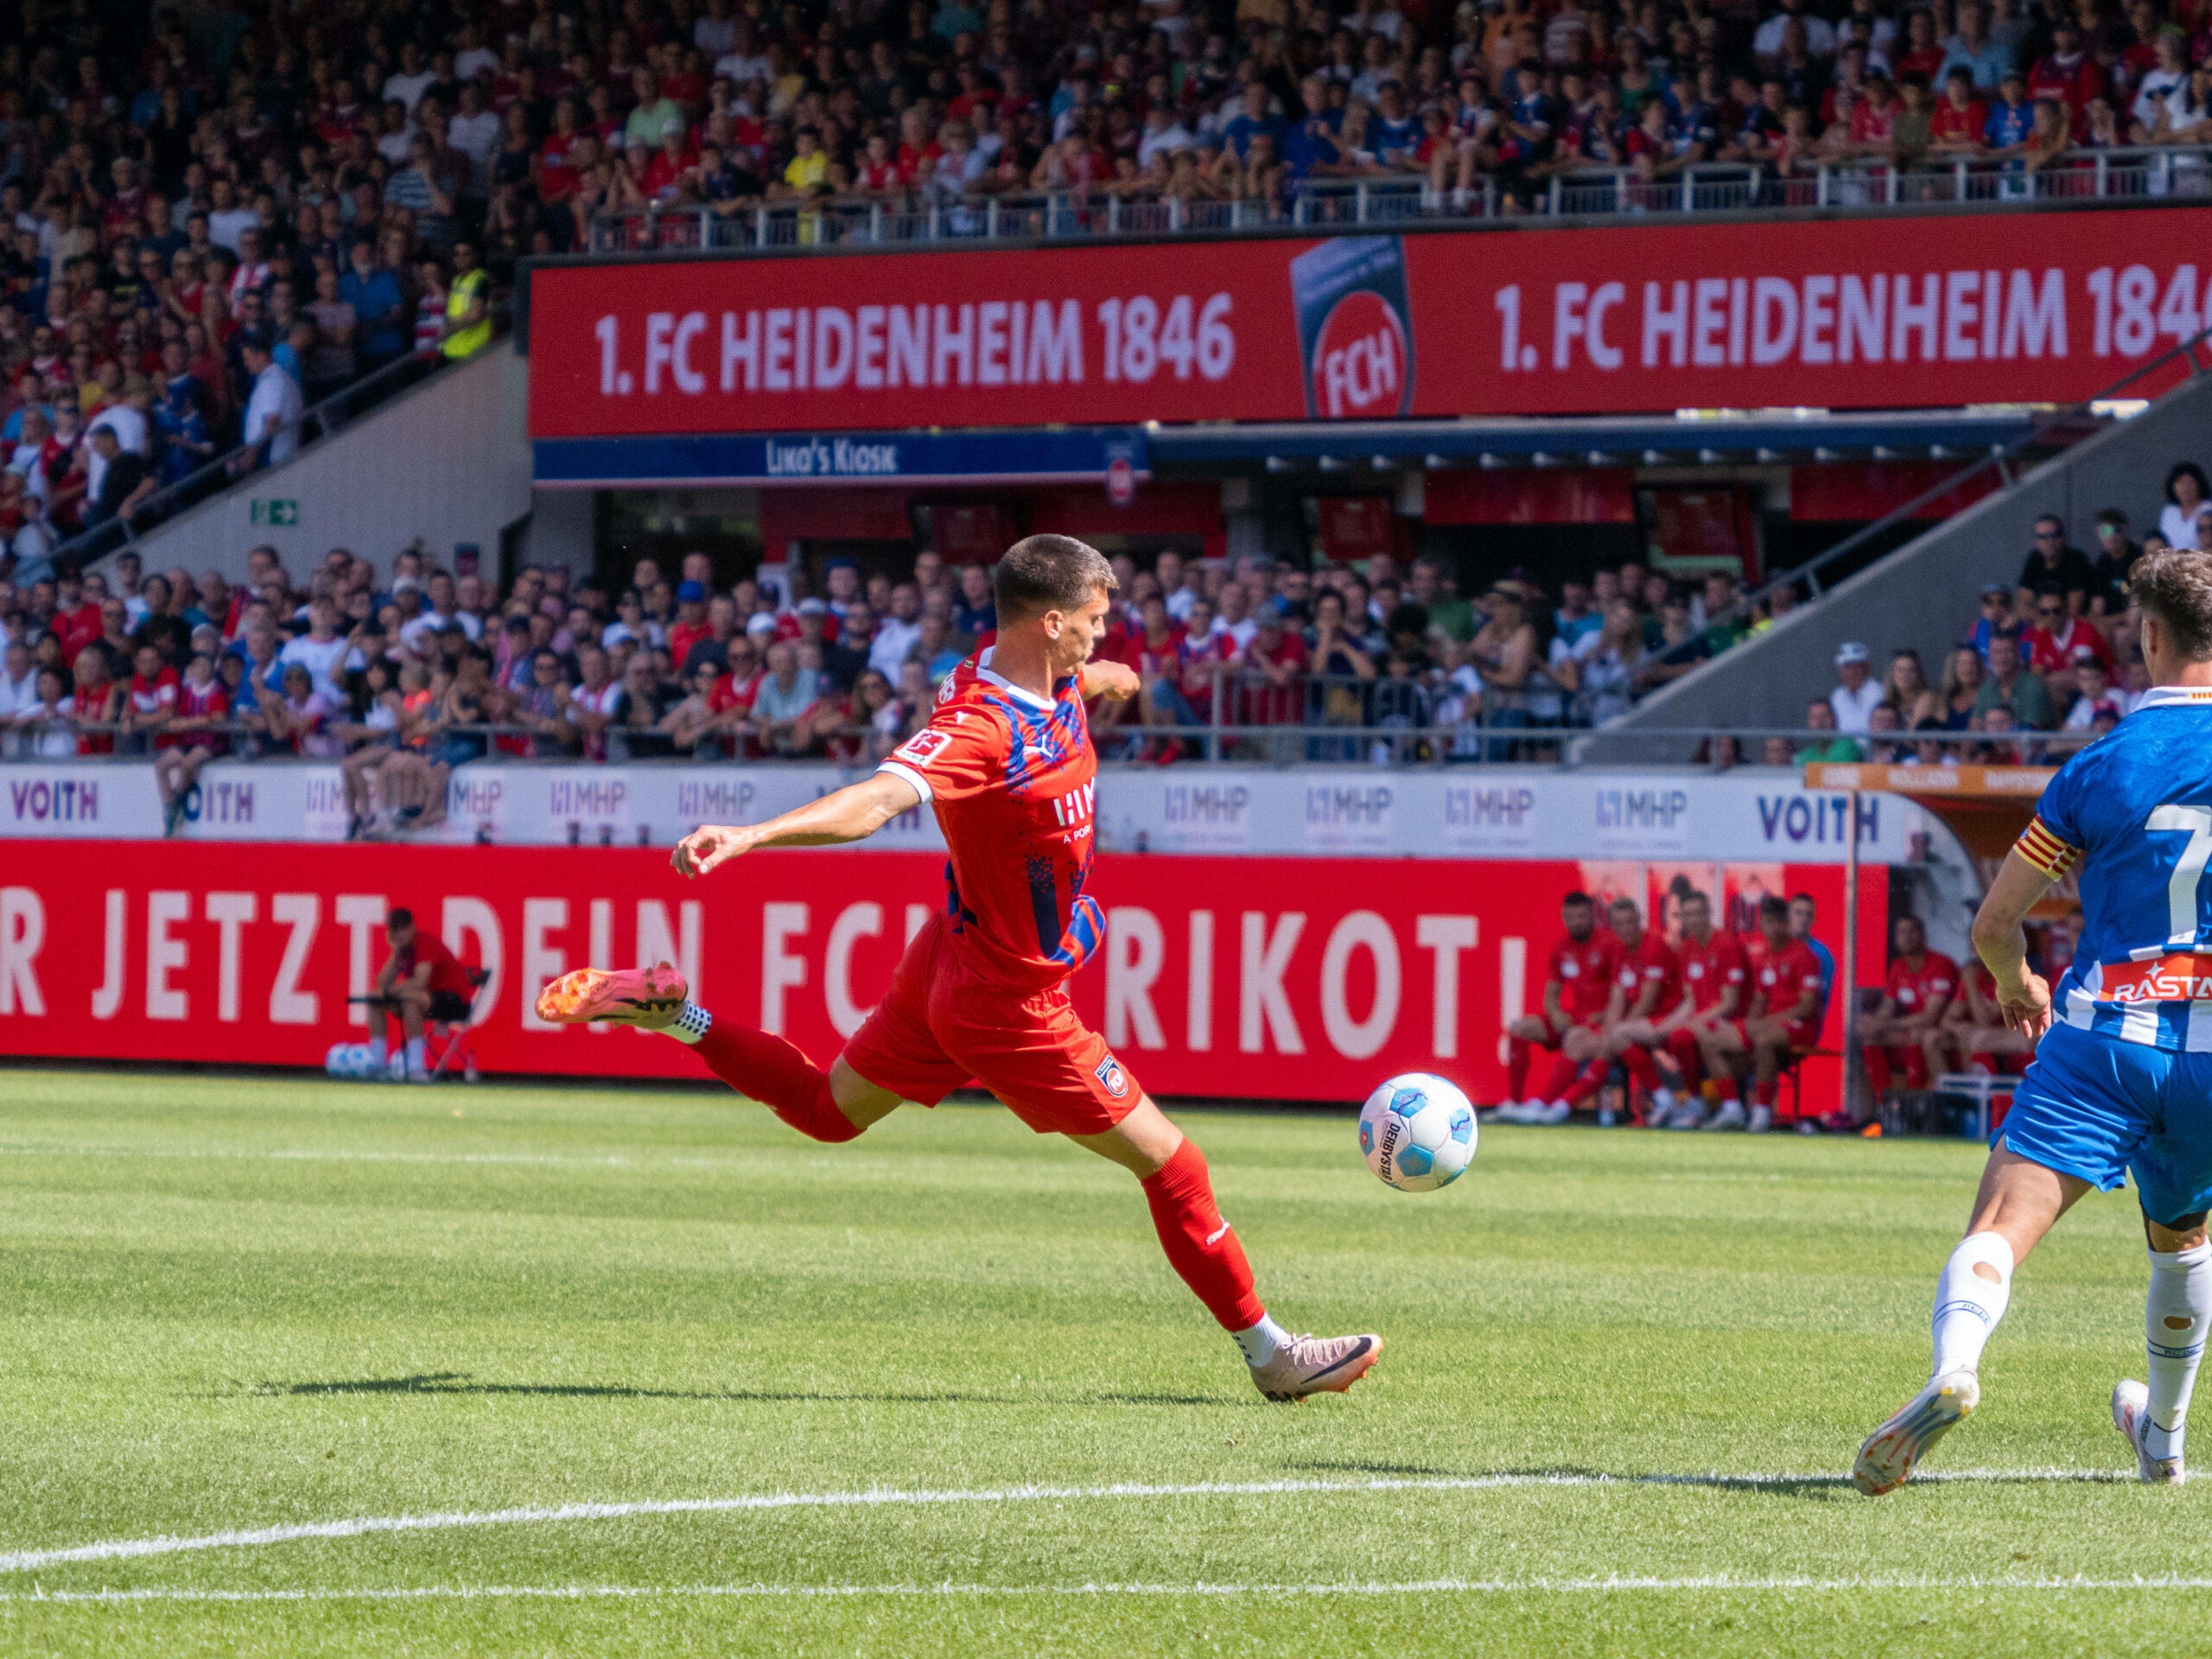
<point>275,514</point>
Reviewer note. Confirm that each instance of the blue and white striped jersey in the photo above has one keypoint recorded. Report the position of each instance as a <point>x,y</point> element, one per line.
<point>2133,810</point>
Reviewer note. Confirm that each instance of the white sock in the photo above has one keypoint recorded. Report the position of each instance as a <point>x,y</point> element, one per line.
<point>2181,1288</point>
<point>690,1024</point>
<point>415,1063</point>
<point>1261,1342</point>
<point>375,1049</point>
<point>1967,1305</point>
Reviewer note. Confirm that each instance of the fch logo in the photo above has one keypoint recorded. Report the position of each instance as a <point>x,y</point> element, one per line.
<point>1359,361</point>
<point>1112,1079</point>
<point>1354,328</point>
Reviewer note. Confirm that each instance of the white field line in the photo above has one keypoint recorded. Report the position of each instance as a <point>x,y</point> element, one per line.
<point>24,1561</point>
<point>1348,1588</point>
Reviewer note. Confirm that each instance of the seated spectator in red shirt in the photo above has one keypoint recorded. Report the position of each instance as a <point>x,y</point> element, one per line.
<point>2059,640</point>
<point>1956,128</point>
<point>1275,658</point>
<point>2067,74</point>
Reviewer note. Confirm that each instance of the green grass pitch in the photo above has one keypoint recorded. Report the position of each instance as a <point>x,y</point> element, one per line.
<point>234,1305</point>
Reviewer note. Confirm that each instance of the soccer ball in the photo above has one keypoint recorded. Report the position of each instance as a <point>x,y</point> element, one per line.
<point>1417,1133</point>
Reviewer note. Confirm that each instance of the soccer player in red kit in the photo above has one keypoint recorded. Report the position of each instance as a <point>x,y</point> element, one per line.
<point>1650,980</point>
<point>1914,1001</point>
<point>1715,973</point>
<point>1783,1018</point>
<point>1578,1000</point>
<point>1008,763</point>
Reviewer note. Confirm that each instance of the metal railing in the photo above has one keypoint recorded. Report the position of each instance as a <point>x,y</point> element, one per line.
<point>1222,715</point>
<point>2144,174</point>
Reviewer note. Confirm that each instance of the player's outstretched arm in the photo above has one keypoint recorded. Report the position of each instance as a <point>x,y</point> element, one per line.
<point>2000,939</point>
<point>852,813</point>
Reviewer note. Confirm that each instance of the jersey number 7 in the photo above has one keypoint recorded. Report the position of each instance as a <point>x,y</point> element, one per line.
<point>2181,892</point>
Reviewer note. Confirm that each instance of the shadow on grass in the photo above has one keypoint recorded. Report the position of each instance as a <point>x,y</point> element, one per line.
<point>460,1383</point>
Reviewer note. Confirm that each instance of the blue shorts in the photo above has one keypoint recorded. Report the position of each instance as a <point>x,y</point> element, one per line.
<point>2092,1107</point>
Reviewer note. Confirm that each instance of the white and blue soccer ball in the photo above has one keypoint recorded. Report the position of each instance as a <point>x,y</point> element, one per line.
<point>1417,1133</point>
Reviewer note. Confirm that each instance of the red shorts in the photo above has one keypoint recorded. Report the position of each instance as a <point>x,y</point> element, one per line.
<point>941,1026</point>
<point>1803,1033</point>
<point>1555,1040</point>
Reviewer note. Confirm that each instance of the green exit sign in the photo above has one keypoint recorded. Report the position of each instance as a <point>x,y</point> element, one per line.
<point>276,514</point>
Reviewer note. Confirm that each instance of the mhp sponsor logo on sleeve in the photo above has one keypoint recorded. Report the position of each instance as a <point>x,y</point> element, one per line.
<point>1354,327</point>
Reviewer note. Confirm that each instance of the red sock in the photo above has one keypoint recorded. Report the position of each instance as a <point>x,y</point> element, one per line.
<point>1642,1069</point>
<point>1200,1245</point>
<point>1562,1080</point>
<point>774,1072</point>
<point>1763,1094</point>
<point>1683,1046</point>
<point>1589,1080</point>
<point>1517,1056</point>
<point>1877,1070</point>
<point>1725,1084</point>
<point>1916,1069</point>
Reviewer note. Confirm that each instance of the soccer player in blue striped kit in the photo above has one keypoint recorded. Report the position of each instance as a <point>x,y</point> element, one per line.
<point>2122,1077</point>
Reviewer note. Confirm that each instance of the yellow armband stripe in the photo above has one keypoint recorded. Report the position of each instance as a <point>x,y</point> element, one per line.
<point>2046,851</point>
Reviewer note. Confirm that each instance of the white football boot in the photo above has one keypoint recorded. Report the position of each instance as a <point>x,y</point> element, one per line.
<point>1892,1450</point>
<point>1553,1115</point>
<point>1662,1108</point>
<point>1730,1116</point>
<point>1690,1114</point>
<point>2131,1415</point>
<point>1761,1120</point>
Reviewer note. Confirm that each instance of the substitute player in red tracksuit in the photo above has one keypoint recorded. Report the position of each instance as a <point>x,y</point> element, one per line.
<point>1650,980</point>
<point>1917,995</point>
<point>1580,1002</point>
<point>1006,761</point>
<point>1783,1019</point>
<point>1715,976</point>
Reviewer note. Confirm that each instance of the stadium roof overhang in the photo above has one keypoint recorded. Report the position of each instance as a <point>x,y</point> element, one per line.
<point>935,456</point>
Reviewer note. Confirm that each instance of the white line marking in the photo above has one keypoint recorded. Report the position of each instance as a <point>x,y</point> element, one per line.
<point>800,1592</point>
<point>126,1548</point>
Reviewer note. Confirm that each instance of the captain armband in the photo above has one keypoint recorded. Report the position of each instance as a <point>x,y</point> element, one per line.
<point>2046,851</point>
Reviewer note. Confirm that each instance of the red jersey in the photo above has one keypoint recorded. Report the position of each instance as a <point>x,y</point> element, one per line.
<point>1583,971</point>
<point>1949,124</point>
<point>1930,987</point>
<point>2050,650</point>
<point>1780,981</point>
<point>209,701</point>
<point>1710,969</point>
<point>1652,962</point>
<point>1011,775</point>
<point>446,972</point>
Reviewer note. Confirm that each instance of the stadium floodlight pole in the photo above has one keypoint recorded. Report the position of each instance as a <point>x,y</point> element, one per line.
<point>1851,952</point>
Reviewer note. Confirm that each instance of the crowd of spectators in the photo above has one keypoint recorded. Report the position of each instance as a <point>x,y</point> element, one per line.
<point>405,673</point>
<point>409,673</point>
<point>203,229</point>
<point>2052,661</point>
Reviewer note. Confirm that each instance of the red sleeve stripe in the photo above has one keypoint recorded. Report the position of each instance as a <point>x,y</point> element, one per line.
<point>2046,851</point>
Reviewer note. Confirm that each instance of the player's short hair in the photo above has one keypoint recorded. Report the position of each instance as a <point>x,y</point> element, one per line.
<point>1049,572</point>
<point>400,917</point>
<point>2176,587</point>
<point>1578,897</point>
<point>1774,905</point>
<point>1692,896</point>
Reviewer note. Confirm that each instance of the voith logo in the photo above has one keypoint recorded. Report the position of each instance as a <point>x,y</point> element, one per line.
<point>1360,359</point>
